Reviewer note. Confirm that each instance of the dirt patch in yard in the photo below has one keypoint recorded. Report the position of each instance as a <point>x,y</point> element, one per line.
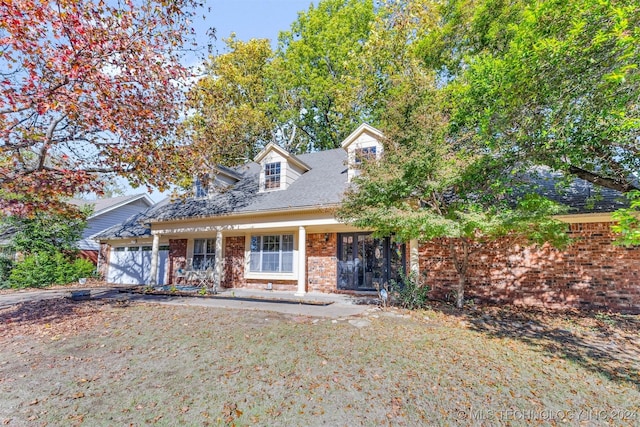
<point>106,363</point>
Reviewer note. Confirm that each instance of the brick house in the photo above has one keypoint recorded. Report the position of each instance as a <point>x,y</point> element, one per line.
<point>270,223</point>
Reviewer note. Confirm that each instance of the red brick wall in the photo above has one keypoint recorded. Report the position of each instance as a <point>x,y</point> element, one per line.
<point>276,285</point>
<point>177,257</point>
<point>322,264</point>
<point>89,255</point>
<point>590,274</point>
<point>233,276</point>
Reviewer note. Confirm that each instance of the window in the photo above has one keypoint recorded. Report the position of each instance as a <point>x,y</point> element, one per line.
<point>271,176</point>
<point>204,252</point>
<point>201,187</point>
<point>272,254</point>
<point>365,153</point>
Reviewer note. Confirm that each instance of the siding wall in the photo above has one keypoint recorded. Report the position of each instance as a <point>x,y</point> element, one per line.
<point>106,220</point>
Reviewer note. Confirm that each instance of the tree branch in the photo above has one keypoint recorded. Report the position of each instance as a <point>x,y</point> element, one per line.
<point>601,181</point>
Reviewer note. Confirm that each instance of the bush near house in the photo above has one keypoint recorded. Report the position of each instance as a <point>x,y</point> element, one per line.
<point>6,264</point>
<point>48,268</point>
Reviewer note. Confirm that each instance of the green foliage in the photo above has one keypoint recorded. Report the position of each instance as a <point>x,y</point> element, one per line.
<point>48,268</point>
<point>47,232</point>
<point>6,265</point>
<point>234,113</point>
<point>319,68</point>
<point>628,222</point>
<point>552,82</point>
<point>411,292</point>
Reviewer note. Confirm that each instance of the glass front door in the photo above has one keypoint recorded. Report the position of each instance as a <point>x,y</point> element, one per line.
<point>365,262</point>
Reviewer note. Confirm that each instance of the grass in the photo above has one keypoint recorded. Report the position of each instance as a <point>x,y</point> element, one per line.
<point>97,364</point>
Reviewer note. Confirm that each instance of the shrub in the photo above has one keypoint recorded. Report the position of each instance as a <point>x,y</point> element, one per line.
<point>6,265</point>
<point>411,292</point>
<point>44,269</point>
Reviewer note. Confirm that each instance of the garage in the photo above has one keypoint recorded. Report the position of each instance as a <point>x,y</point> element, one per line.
<point>131,265</point>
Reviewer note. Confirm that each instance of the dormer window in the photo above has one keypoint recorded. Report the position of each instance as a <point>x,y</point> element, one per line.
<point>365,154</point>
<point>278,168</point>
<point>364,144</point>
<point>272,176</point>
<point>201,187</point>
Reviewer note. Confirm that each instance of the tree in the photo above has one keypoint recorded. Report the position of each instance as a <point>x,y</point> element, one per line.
<point>88,88</point>
<point>552,82</point>
<point>48,244</point>
<point>432,187</point>
<point>234,112</point>
<point>46,232</point>
<point>319,73</point>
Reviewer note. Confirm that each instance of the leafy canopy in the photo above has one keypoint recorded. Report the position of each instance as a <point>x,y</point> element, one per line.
<point>552,82</point>
<point>88,88</point>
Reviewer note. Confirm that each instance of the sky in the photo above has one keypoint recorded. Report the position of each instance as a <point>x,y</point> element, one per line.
<point>248,19</point>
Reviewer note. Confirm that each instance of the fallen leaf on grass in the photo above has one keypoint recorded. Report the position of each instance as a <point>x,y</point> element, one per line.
<point>78,395</point>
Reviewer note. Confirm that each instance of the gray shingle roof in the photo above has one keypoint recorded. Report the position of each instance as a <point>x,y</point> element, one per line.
<point>133,227</point>
<point>323,185</point>
<point>105,204</point>
<point>579,195</point>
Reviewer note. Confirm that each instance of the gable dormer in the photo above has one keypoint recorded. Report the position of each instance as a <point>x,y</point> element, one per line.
<point>278,168</point>
<point>363,144</point>
<point>220,179</point>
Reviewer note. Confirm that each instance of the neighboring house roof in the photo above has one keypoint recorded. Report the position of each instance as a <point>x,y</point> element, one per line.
<point>133,227</point>
<point>102,206</point>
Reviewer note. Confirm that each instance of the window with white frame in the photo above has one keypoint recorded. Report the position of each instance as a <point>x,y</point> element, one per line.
<point>204,252</point>
<point>201,186</point>
<point>272,176</point>
<point>365,154</point>
<point>271,254</point>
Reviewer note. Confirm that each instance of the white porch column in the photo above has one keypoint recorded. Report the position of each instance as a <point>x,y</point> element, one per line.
<point>414,257</point>
<point>153,281</point>
<point>217,280</point>
<point>302,262</point>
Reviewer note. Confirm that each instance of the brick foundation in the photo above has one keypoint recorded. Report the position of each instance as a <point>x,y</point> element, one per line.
<point>590,274</point>
<point>322,264</point>
<point>177,257</point>
<point>276,285</point>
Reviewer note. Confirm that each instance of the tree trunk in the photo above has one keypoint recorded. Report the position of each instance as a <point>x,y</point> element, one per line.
<point>460,296</point>
<point>461,264</point>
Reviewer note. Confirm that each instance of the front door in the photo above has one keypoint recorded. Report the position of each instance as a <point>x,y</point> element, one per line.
<point>365,263</point>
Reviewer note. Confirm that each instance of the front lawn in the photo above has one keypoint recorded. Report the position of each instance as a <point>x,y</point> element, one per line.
<point>98,363</point>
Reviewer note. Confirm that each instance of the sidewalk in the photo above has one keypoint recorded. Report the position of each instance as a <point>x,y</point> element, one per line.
<point>311,304</point>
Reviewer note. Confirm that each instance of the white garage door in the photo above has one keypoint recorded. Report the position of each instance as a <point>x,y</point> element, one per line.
<point>131,265</point>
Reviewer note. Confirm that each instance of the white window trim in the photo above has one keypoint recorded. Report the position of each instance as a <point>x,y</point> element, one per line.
<point>281,176</point>
<point>248,274</point>
<point>208,256</point>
